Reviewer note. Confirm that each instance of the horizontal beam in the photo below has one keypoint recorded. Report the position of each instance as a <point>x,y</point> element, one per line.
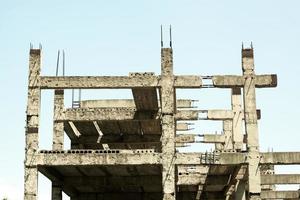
<point>226,114</point>
<point>126,103</point>
<point>91,158</point>
<point>202,179</point>
<point>210,158</point>
<point>231,81</point>
<point>114,82</point>
<point>115,138</point>
<point>280,158</point>
<point>213,138</point>
<point>140,157</point>
<point>102,114</point>
<point>120,195</point>
<point>99,114</point>
<point>279,194</point>
<point>280,179</point>
<point>185,138</point>
<point>108,181</point>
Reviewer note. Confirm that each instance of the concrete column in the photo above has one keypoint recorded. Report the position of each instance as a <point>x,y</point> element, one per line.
<point>227,131</point>
<point>168,125</point>
<point>236,106</point>
<point>251,127</point>
<point>32,125</point>
<point>58,127</point>
<point>56,192</point>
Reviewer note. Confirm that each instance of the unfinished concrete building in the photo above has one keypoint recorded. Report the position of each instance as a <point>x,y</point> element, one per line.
<point>128,148</point>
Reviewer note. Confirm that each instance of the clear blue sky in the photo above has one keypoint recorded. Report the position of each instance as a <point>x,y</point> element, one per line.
<point>117,37</point>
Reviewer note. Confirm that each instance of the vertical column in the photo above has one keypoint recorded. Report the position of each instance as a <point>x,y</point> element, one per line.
<point>58,127</point>
<point>236,106</point>
<point>32,125</point>
<point>227,131</point>
<point>168,124</point>
<point>251,124</point>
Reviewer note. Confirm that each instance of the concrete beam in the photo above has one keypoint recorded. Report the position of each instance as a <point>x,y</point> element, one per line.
<point>130,157</point>
<point>213,138</point>
<point>114,82</point>
<point>202,179</point>
<point>210,158</point>
<point>101,114</point>
<point>120,195</point>
<point>89,158</point>
<point>280,158</point>
<point>101,181</point>
<point>115,138</point>
<point>185,138</point>
<point>226,114</point>
<point>232,81</point>
<point>127,103</point>
<point>115,113</point>
<point>280,179</point>
<point>280,194</point>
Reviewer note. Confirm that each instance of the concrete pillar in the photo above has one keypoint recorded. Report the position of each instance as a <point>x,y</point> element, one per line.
<point>227,131</point>
<point>251,127</point>
<point>58,127</point>
<point>168,125</point>
<point>236,106</point>
<point>32,125</point>
<point>56,192</point>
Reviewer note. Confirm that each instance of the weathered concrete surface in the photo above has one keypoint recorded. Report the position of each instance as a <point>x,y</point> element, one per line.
<point>236,105</point>
<point>280,158</point>
<point>251,127</point>
<point>110,114</point>
<point>233,81</point>
<point>168,124</point>
<point>86,158</point>
<point>112,103</point>
<point>280,194</point>
<point>280,179</point>
<point>114,82</point>
<point>32,124</point>
<point>115,143</point>
<point>58,127</point>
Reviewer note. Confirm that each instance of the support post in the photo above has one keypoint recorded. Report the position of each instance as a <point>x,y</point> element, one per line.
<point>32,125</point>
<point>168,125</point>
<point>251,127</point>
<point>227,131</point>
<point>236,106</point>
<point>58,127</point>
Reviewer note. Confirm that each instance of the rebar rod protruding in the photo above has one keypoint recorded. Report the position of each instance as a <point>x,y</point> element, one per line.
<point>57,63</point>
<point>161,37</point>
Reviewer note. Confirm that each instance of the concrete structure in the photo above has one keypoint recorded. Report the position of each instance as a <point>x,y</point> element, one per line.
<point>127,148</point>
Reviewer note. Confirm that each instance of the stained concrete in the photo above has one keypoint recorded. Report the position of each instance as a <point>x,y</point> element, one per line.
<point>128,148</point>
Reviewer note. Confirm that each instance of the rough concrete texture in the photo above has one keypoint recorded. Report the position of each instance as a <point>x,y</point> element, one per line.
<point>129,148</point>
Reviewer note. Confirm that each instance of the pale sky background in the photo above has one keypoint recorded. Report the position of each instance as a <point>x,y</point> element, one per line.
<point>117,37</point>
